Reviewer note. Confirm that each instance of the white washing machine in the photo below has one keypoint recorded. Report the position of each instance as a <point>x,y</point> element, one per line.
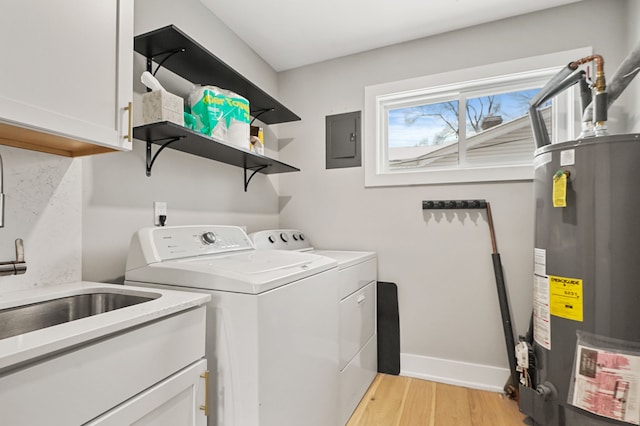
<point>272,323</point>
<point>357,276</point>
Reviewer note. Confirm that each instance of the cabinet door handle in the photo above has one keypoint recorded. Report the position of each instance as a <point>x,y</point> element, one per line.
<point>360,299</point>
<point>205,407</point>
<point>129,108</point>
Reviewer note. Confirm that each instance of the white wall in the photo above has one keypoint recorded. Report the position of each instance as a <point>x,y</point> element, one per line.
<point>440,261</point>
<point>118,197</point>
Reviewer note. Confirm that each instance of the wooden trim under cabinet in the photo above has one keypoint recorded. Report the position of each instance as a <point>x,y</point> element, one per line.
<point>34,140</point>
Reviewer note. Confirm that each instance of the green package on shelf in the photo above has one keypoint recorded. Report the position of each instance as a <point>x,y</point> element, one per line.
<point>218,111</point>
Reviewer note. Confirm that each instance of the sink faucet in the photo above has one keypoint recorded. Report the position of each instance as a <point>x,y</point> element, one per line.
<point>15,267</point>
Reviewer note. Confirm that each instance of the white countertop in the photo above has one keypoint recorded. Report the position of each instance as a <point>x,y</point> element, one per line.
<point>29,346</point>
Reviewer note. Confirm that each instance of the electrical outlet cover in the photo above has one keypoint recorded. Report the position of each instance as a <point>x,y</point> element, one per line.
<point>159,209</point>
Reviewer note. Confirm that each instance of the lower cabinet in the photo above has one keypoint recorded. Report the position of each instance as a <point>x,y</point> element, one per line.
<point>148,374</point>
<point>178,400</point>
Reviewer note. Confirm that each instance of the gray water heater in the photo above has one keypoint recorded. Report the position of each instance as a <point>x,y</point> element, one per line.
<point>585,356</point>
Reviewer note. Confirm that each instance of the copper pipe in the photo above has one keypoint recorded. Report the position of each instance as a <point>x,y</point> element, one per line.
<point>600,83</point>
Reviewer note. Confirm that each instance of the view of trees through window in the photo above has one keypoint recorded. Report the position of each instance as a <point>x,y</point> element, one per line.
<point>429,133</point>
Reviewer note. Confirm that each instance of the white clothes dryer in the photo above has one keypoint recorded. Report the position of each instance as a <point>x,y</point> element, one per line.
<point>357,276</point>
<point>272,323</point>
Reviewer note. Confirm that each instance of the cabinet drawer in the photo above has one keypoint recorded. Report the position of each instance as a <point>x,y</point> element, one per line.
<point>357,276</point>
<point>174,401</point>
<point>356,378</point>
<point>357,322</point>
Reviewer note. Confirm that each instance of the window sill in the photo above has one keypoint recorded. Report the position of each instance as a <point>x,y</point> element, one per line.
<point>440,177</point>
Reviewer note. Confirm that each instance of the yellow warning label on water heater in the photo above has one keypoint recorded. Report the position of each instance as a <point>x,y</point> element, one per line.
<point>560,189</point>
<point>565,297</point>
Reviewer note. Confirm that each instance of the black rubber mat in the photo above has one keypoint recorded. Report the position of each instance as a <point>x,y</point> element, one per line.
<point>388,329</point>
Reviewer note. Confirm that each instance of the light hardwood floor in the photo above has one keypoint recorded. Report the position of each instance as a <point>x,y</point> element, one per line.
<point>404,401</point>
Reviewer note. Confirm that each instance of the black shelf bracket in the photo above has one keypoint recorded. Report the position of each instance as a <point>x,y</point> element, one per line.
<point>255,169</point>
<point>259,112</point>
<point>152,158</point>
<point>169,54</point>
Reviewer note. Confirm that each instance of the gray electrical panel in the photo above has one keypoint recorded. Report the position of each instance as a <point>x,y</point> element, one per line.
<point>343,142</point>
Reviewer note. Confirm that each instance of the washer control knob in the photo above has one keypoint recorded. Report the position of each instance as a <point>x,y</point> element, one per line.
<point>295,236</point>
<point>301,236</point>
<point>284,237</point>
<point>208,237</point>
<point>271,239</point>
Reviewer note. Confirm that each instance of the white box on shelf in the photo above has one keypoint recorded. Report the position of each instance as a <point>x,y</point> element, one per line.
<point>161,105</point>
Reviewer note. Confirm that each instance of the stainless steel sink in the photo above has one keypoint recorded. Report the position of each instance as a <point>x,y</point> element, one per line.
<point>23,319</point>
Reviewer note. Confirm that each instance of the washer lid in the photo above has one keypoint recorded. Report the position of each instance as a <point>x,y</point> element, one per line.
<point>250,272</point>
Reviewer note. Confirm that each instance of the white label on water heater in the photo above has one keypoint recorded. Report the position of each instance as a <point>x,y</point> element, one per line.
<point>541,315</point>
<point>568,157</point>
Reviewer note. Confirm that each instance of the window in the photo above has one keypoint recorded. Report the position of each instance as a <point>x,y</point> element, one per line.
<point>464,126</point>
<point>469,128</point>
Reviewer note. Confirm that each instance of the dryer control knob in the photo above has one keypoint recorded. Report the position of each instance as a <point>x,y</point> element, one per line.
<point>271,239</point>
<point>284,237</point>
<point>301,236</point>
<point>208,238</point>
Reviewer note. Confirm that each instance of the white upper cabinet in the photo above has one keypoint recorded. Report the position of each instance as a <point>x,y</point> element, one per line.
<point>66,75</point>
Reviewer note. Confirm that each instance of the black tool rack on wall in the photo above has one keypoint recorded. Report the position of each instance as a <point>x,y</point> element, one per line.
<point>172,49</point>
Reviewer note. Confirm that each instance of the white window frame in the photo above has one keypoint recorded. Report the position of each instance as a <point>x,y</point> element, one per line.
<point>532,70</point>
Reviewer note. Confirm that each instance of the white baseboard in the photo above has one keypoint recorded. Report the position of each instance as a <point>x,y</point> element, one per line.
<point>475,376</point>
